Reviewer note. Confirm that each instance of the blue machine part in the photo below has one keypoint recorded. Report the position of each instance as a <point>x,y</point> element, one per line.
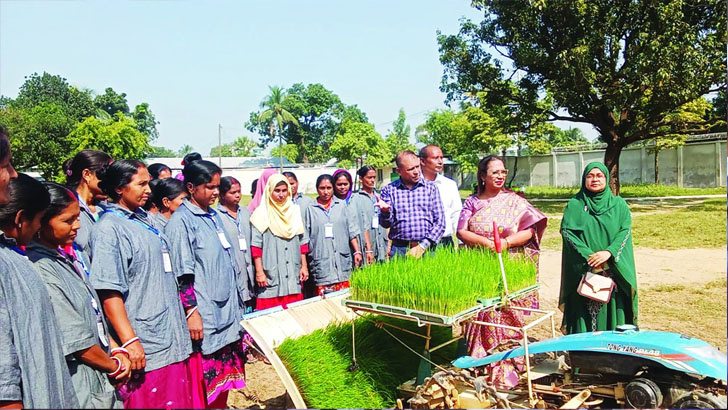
<point>672,350</point>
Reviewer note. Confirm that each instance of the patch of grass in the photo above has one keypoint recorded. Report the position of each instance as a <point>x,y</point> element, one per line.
<point>319,363</point>
<point>664,307</point>
<point>445,283</point>
<point>665,224</point>
<point>680,229</point>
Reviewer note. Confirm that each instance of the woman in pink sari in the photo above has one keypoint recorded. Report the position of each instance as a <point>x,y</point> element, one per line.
<point>520,226</point>
<point>260,188</point>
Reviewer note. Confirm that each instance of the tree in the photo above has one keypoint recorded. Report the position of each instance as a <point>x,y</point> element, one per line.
<point>720,106</point>
<point>665,138</point>
<point>276,115</point>
<point>145,120</point>
<point>118,137</point>
<point>54,89</point>
<point>288,151</point>
<point>185,149</point>
<point>38,137</point>
<point>223,150</point>
<point>320,114</point>
<point>244,147</point>
<point>360,140</point>
<point>161,152</point>
<point>624,67</point>
<point>465,136</point>
<point>398,138</point>
<point>111,102</point>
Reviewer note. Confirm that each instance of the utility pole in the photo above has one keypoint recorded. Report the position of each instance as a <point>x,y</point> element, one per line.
<point>280,151</point>
<point>219,145</point>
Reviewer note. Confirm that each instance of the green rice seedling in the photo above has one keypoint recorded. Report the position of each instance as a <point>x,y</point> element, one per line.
<point>444,283</point>
<point>319,363</point>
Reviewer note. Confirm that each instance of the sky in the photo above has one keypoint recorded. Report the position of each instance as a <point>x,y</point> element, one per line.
<point>199,64</point>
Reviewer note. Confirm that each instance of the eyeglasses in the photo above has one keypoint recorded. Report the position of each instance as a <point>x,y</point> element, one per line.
<point>500,173</point>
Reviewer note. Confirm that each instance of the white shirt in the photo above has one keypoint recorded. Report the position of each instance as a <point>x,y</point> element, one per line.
<point>451,203</point>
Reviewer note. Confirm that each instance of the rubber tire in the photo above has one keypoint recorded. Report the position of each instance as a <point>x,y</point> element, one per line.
<point>699,400</point>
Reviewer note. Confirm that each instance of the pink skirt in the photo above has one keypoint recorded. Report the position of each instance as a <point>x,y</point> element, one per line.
<point>170,387</point>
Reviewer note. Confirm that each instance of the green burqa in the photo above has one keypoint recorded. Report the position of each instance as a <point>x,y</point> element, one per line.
<point>595,222</point>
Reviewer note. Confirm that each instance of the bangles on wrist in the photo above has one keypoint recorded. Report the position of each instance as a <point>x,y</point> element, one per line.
<point>119,350</point>
<point>130,341</point>
<point>190,312</point>
<point>119,368</point>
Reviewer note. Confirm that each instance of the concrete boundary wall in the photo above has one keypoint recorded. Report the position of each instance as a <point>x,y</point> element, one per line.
<point>694,165</point>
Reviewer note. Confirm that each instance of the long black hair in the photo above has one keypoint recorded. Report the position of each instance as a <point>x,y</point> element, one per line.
<point>117,175</point>
<point>90,159</point>
<point>323,177</point>
<point>169,188</point>
<point>60,198</point>
<point>483,170</point>
<point>26,193</point>
<point>200,172</point>
<point>157,168</point>
<point>362,172</point>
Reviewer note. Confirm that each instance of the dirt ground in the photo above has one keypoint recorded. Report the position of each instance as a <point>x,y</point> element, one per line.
<point>686,272</point>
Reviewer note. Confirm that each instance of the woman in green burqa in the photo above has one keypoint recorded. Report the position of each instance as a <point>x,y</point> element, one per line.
<point>597,232</point>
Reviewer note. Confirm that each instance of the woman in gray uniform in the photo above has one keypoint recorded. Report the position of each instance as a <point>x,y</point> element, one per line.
<point>81,178</point>
<point>278,246</point>
<point>33,370</point>
<point>236,221</point>
<point>94,359</point>
<point>343,186</point>
<point>167,195</point>
<point>132,273</point>
<point>333,231</point>
<point>204,261</point>
<point>365,199</point>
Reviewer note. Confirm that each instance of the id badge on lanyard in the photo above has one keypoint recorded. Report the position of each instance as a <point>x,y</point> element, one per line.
<point>99,323</point>
<point>223,239</point>
<point>242,243</point>
<point>329,231</point>
<point>375,221</point>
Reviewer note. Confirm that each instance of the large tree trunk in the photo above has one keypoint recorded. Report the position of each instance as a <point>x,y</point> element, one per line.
<point>657,167</point>
<point>611,160</point>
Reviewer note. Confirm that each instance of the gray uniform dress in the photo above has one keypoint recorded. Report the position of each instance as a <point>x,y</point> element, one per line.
<point>330,258</point>
<point>197,250</point>
<point>238,230</point>
<point>79,320</point>
<point>369,219</point>
<point>303,202</point>
<point>32,364</point>
<point>281,262</point>
<point>87,219</point>
<point>128,258</point>
<point>159,221</point>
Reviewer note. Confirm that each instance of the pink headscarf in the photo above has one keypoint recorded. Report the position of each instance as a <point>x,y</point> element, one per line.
<point>260,188</point>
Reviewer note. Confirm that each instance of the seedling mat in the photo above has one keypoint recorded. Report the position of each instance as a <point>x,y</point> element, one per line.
<point>427,319</point>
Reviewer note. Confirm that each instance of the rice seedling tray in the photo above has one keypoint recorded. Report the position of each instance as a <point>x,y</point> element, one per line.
<point>422,318</point>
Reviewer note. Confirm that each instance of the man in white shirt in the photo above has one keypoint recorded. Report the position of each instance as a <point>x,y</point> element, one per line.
<point>432,162</point>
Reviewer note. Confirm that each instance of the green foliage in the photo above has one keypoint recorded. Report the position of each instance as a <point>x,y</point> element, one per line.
<point>605,63</point>
<point>241,147</point>
<point>719,113</point>
<point>161,152</point>
<point>118,137</point>
<point>319,363</point>
<point>38,137</point>
<point>185,149</point>
<point>445,283</point>
<point>319,113</point>
<point>290,152</point>
<point>145,120</point>
<point>54,89</point>
<point>111,102</point>
<point>465,136</point>
<point>398,138</point>
<point>359,139</point>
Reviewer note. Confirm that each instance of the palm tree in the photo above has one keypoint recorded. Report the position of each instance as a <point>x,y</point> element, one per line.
<point>277,115</point>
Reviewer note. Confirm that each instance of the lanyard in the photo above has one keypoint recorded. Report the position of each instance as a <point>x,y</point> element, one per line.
<point>79,258</point>
<point>18,251</point>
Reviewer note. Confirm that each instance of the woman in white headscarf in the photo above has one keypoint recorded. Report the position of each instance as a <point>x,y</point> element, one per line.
<point>278,245</point>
